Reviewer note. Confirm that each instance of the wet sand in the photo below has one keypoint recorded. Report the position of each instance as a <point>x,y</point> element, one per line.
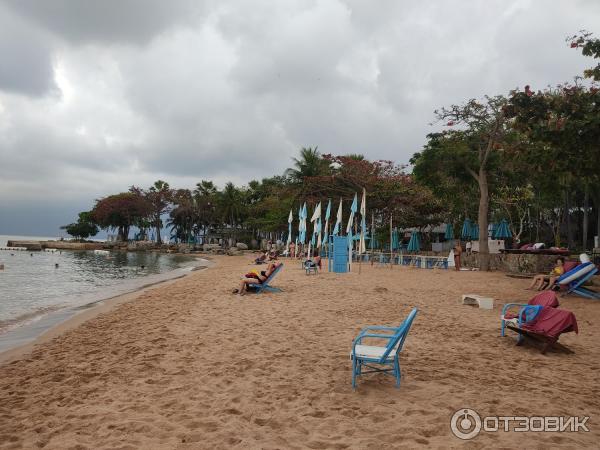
<point>188,365</point>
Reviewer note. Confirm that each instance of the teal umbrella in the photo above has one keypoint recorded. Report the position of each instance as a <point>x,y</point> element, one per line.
<point>395,239</point>
<point>414,245</point>
<point>502,231</point>
<point>449,232</point>
<point>466,229</point>
<point>475,232</point>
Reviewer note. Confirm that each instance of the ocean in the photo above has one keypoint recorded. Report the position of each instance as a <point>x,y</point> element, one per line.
<point>35,285</point>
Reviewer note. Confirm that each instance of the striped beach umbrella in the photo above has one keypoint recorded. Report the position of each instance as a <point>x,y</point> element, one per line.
<point>414,245</point>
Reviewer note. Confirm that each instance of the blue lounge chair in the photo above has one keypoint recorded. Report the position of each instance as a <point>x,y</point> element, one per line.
<point>576,286</point>
<point>382,357</point>
<point>265,286</point>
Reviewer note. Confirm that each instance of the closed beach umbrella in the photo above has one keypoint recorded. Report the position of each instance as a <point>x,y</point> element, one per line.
<point>503,231</point>
<point>449,235</point>
<point>475,231</point>
<point>466,230</point>
<point>395,239</point>
<point>414,245</point>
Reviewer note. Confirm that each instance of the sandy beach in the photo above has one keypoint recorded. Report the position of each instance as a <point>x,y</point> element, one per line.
<point>188,365</point>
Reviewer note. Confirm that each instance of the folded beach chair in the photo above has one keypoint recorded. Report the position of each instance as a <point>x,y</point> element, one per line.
<point>265,286</point>
<point>545,324</point>
<point>380,359</point>
<point>544,298</point>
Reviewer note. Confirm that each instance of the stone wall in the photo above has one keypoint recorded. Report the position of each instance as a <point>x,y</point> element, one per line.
<point>514,263</point>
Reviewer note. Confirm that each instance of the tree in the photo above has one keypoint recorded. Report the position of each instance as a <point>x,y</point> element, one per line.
<point>485,135</point>
<point>310,164</point>
<point>231,204</point>
<point>441,166</point>
<point>83,228</point>
<point>561,127</point>
<point>184,214</point>
<point>121,211</point>
<point>589,47</point>
<point>160,196</point>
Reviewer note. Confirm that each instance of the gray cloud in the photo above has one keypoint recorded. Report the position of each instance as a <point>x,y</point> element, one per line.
<point>26,65</point>
<point>115,21</point>
<point>96,96</point>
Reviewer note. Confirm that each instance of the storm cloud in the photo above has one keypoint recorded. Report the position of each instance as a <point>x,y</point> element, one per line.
<point>97,96</point>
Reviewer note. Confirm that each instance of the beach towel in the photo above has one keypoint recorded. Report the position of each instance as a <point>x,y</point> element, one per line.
<point>544,298</point>
<point>552,322</point>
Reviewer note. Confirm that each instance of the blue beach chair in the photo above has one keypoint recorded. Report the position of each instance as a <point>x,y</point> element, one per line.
<point>380,359</point>
<point>311,267</point>
<point>576,286</point>
<point>265,286</point>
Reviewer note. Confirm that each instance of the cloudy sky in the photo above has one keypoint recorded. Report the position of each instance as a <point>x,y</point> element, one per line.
<point>97,96</point>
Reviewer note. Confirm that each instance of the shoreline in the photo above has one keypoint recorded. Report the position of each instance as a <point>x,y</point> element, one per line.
<point>55,323</point>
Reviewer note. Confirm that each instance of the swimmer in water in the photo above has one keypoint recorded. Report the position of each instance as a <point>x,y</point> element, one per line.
<point>56,265</point>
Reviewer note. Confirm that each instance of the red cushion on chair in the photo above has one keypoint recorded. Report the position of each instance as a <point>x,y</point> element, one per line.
<point>545,298</point>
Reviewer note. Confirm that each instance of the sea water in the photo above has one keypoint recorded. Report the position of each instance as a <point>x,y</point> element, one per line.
<point>35,284</point>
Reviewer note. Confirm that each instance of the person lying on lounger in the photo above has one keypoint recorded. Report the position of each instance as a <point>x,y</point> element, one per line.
<point>255,277</point>
<point>543,281</point>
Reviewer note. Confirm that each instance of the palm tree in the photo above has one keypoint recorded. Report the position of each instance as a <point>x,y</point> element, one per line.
<point>310,164</point>
<point>160,196</point>
<point>231,204</point>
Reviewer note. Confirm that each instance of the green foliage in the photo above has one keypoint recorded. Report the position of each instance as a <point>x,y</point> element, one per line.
<point>589,47</point>
<point>83,228</point>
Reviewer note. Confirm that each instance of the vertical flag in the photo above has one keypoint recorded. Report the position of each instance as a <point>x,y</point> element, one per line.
<point>363,225</point>
<point>338,220</point>
<point>327,214</point>
<point>353,209</point>
<point>289,239</point>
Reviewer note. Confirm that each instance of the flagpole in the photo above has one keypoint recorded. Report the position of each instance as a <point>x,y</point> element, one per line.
<point>391,243</point>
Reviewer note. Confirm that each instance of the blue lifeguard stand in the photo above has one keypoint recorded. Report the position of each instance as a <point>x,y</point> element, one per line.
<point>338,246</point>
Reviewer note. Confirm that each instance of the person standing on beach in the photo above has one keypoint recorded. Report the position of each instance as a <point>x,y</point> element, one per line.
<point>457,253</point>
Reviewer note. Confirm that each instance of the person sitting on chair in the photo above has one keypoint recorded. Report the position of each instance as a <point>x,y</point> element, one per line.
<point>542,281</point>
<point>255,277</point>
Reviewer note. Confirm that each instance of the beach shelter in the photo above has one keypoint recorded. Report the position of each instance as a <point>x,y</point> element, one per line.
<point>449,235</point>
<point>414,245</point>
<point>363,225</point>
<point>338,220</point>
<point>475,232</point>
<point>466,229</point>
<point>502,231</point>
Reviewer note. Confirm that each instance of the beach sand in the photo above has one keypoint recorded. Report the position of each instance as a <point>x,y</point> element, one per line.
<point>188,365</point>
